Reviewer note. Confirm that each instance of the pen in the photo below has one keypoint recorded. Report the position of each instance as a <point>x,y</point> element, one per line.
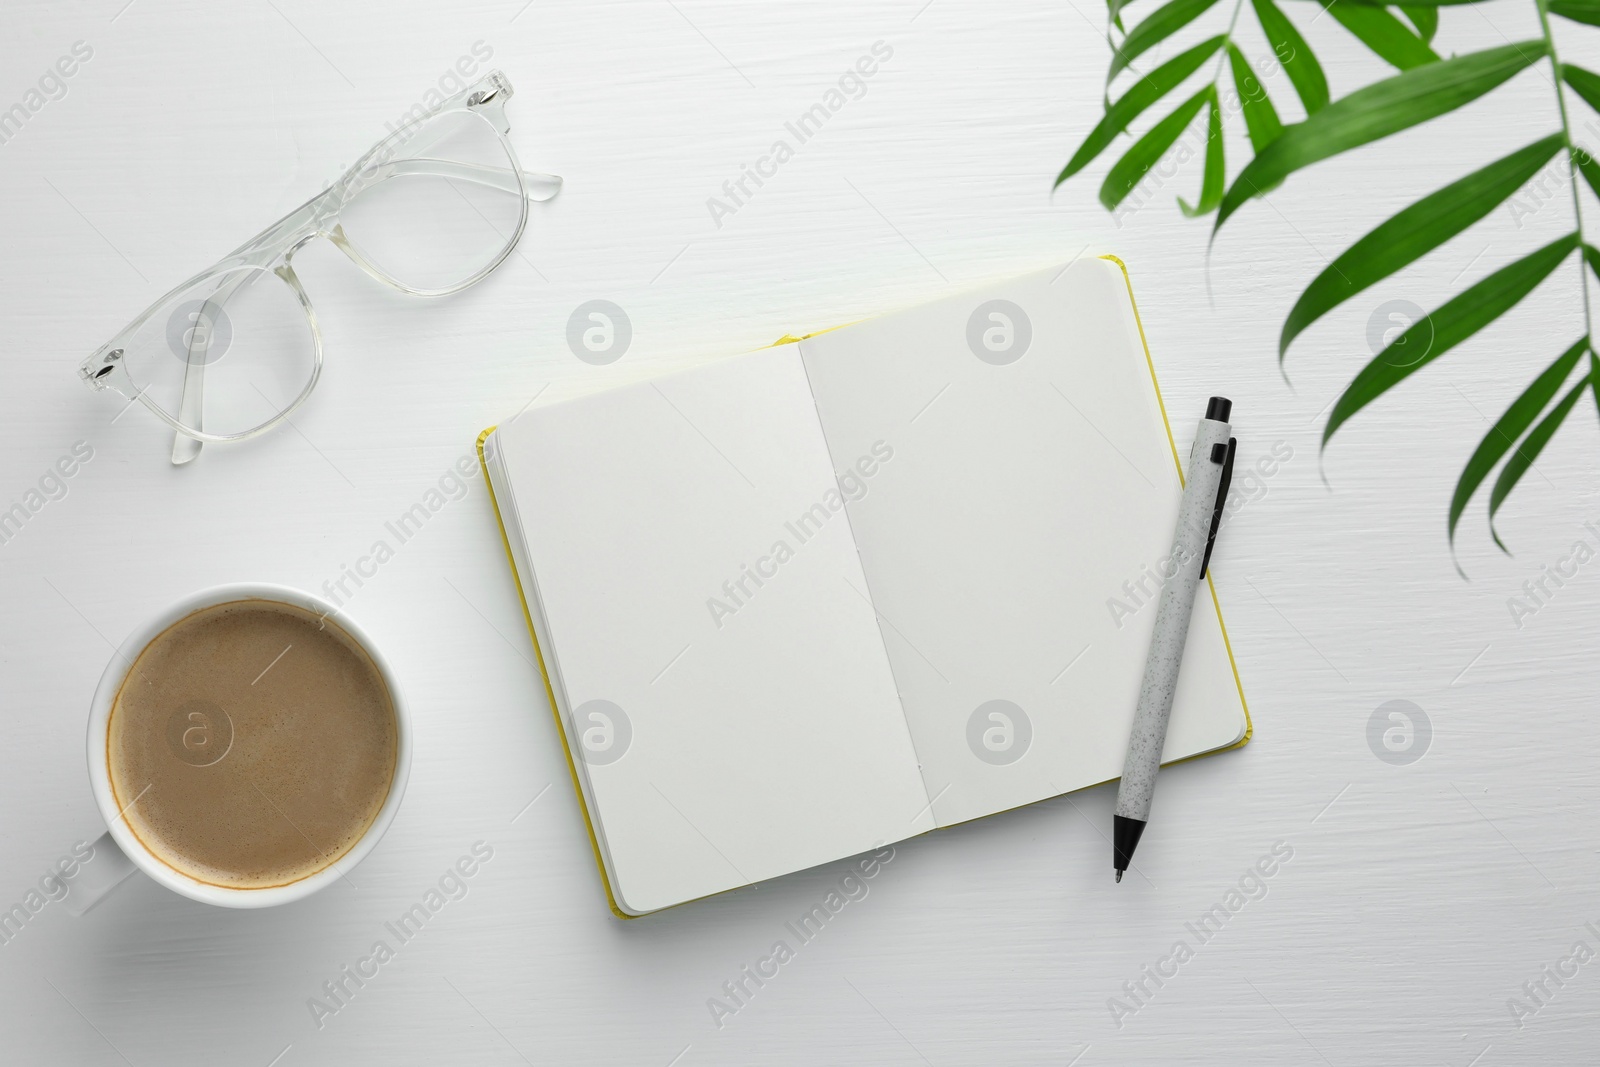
<point>1199,513</point>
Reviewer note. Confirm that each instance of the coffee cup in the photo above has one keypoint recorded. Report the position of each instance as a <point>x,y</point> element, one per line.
<point>130,843</point>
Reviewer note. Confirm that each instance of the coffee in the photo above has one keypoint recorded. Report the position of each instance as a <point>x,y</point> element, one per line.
<point>251,744</point>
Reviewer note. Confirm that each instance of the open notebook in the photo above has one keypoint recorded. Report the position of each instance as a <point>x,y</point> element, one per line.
<point>801,602</point>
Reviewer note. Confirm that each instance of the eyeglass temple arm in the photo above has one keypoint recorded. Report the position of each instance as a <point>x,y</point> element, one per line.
<point>534,185</point>
<point>192,400</point>
<point>414,160</point>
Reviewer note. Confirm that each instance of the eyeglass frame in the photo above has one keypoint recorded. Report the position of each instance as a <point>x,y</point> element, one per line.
<point>273,250</point>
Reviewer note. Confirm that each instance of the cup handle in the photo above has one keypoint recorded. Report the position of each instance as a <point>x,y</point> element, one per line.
<point>106,867</point>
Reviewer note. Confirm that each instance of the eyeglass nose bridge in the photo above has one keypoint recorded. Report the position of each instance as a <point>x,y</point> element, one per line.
<point>290,252</point>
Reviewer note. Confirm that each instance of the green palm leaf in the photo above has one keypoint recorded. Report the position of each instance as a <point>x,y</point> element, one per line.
<point>1588,168</point>
<point>1454,322</point>
<point>1131,168</point>
<point>1585,11</point>
<point>1386,107</point>
<point>1260,117</point>
<point>1383,33</point>
<point>1425,19</point>
<point>1419,3</point>
<point>1584,83</point>
<point>1295,55</point>
<point>1147,91</point>
<point>1415,232</point>
<point>1511,426</point>
<point>1527,452</point>
<point>1169,19</point>
<point>1216,169</point>
<point>1115,8</point>
<point>1591,256</point>
<point>1402,33</point>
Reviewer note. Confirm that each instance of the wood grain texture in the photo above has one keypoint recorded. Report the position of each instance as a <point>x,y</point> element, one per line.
<point>1418,898</point>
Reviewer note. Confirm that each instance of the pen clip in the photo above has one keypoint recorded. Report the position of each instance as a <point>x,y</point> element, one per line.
<point>1222,496</point>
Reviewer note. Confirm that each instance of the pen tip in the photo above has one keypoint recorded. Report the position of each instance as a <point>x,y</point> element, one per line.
<point>1119,876</point>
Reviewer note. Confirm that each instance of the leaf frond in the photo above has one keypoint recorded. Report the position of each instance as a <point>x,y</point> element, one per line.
<point>1527,452</point>
<point>1437,333</point>
<point>1407,99</point>
<point>1510,427</point>
<point>1414,232</point>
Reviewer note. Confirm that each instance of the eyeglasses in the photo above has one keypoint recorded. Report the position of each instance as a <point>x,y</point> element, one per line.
<point>430,210</point>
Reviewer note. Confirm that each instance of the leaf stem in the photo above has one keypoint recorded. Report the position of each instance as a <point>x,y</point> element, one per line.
<point>1572,158</point>
<point>1216,76</point>
<point>1227,39</point>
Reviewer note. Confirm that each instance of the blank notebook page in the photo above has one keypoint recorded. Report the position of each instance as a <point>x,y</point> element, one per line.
<point>766,738</point>
<point>1019,497</point>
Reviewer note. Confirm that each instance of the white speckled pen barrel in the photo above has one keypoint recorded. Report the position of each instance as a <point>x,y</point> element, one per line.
<point>1205,473</point>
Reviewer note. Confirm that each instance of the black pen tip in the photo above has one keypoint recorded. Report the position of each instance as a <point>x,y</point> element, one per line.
<point>1125,834</point>
<point>1119,876</point>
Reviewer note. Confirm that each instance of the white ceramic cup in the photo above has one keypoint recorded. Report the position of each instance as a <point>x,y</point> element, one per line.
<point>118,852</point>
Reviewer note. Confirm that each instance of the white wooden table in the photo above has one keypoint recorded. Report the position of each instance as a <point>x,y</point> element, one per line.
<point>1419,898</point>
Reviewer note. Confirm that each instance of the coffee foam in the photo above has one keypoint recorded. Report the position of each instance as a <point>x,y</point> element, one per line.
<point>251,744</point>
